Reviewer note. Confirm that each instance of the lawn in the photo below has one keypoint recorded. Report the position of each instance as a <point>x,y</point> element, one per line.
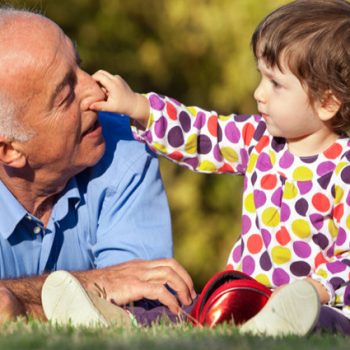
<point>36,335</point>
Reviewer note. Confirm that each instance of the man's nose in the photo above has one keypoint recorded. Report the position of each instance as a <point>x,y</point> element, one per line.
<point>90,91</point>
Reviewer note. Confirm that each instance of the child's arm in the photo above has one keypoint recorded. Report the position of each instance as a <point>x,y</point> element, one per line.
<point>120,98</point>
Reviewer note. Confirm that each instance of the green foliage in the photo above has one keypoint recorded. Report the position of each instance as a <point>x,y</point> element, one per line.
<point>198,52</point>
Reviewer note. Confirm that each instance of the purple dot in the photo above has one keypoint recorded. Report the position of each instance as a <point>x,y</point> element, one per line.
<point>232,132</point>
<point>248,265</point>
<point>244,158</point>
<point>336,282</point>
<point>317,221</point>
<point>348,199</point>
<point>175,137</point>
<point>347,296</point>
<point>259,131</point>
<point>300,268</point>
<point>246,224</point>
<point>219,131</point>
<point>309,159</point>
<point>321,240</point>
<point>336,266</point>
<point>277,197</point>
<point>185,121</point>
<point>330,251</point>
<point>304,186</point>
<point>204,144</point>
<point>266,236</point>
<point>160,127</point>
<point>325,168</point>
<point>156,102</point>
<point>264,162</point>
<point>345,174</point>
<point>302,249</point>
<point>301,206</point>
<point>286,160</point>
<point>265,261</point>
<point>280,277</point>
<point>237,254</point>
<point>341,238</point>
<point>192,162</point>
<point>217,153</point>
<point>254,178</point>
<point>285,212</point>
<point>245,184</point>
<point>278,144</point>
<point>148,136</point>
<point>325,180</point>
<point>259,198</point>
<point>200,120</point>
<point>242,117</point>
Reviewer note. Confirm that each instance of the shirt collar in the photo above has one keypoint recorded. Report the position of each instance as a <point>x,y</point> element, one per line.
<point>11,213</point>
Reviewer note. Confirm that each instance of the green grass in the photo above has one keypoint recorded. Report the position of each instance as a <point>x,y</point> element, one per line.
<point>36,335</point>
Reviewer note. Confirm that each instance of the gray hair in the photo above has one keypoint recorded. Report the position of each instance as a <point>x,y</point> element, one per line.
<point>10,126</point>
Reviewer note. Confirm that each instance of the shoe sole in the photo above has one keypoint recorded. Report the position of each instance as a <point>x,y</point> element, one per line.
<point>65,301</point>
<point>293,310</point>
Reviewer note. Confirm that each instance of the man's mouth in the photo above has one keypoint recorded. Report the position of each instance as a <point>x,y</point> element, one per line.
<point>92,128</point>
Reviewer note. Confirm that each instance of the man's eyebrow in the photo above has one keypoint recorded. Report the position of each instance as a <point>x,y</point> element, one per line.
<point>69,78</point>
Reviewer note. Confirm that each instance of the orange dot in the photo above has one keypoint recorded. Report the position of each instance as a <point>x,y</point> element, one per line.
<point>264,141</point>
<point>229,267</point>
<point>226,168</point>
<point>334,151</point>
<point>338,212</point>
<point>176,155</point>
<point>171,110</point>
<point>213,125</point>
<point>268,182</point>
<point>320,259</point>
<point>248,133</point>
<point>254,243</point>
<point>321,202</point>
<point>283,236</point>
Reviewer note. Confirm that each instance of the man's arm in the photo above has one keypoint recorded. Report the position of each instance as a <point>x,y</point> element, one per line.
<point>120,284</point>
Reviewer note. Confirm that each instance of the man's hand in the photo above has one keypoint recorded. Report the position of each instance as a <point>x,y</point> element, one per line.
<point>120,98</point>
<point>138,279</point>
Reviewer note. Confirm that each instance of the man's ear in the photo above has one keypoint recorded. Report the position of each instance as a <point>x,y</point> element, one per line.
<point>10,155</point>
<point>328,107</point>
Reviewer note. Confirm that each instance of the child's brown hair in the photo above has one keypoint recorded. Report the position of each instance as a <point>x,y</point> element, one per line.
<point>313,37</point>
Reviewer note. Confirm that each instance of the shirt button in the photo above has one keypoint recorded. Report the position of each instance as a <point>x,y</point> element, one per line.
<point>28,217</point>
<point>37,229</point>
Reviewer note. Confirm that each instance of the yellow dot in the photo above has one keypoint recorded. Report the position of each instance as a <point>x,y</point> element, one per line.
<point>340,167</point>
<point>290,191</point>
<point>249,203</point>
<point>333,229</point>
<point>301,228</point>
<point>280,255</point>
<point>224,117</point>
<point>271,217</point>
<point>207,166</point>
<point>191,144</point>
<point>252,163</point>
<point>339,193</point>
<point>302,173</point>
<point>322,273</point>
<point>348,222</point>
<point>150,121</point>
<point>229,154</point>
<point>160,148</point>
<point>262,278</point>
<point>192,110</point>
<point>272,157</point>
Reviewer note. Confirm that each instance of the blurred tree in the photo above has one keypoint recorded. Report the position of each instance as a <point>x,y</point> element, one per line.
<point>198,52</point>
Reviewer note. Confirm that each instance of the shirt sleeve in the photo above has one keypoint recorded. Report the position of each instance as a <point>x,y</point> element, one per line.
<point>201,140</point>
<point>134,222</point>
<point>333,268</point>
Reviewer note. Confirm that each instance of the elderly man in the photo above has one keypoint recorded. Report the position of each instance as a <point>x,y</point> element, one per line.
<point>76,192</point>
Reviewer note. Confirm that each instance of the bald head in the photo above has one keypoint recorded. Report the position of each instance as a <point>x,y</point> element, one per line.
<point>23,40</point>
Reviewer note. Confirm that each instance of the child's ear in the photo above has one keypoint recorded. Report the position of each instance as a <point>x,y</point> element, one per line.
<point>10,155</point>
<point>328,107</point>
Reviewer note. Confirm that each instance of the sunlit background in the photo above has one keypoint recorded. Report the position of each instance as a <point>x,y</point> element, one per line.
<point>197,51</point>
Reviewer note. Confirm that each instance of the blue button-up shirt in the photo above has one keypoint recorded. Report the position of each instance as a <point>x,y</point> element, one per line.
<point>108,214</point>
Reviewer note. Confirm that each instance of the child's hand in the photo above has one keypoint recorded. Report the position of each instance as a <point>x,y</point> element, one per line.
<point>120,98</point>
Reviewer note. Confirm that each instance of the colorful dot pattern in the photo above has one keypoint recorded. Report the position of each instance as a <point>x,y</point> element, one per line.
<point>296,217</point>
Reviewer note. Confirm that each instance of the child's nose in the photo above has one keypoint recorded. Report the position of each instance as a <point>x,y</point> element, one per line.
<point>259,94</point>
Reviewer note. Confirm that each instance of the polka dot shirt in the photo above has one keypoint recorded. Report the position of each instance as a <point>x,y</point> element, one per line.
<point>296,210</point>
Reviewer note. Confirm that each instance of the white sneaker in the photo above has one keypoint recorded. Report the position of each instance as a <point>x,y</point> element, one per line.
<point>65,301</point>
<point>293,310</point>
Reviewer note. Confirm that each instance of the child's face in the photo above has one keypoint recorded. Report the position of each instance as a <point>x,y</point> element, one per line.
<point>285,105</point>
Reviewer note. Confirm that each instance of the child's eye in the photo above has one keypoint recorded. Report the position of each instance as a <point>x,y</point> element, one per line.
<point>275,84</point>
